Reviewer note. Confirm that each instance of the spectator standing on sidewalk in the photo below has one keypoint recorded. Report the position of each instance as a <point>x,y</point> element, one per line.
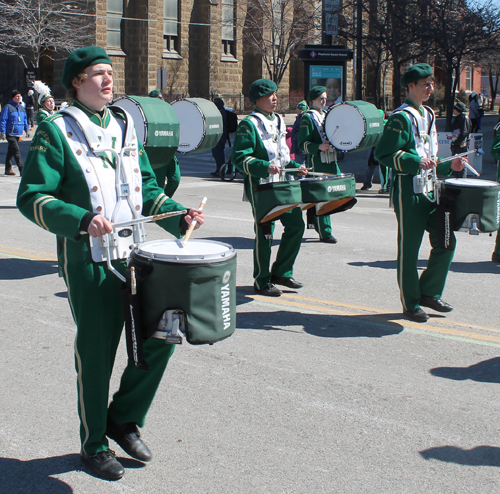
<point>13,121</point>
<point>30,108</point>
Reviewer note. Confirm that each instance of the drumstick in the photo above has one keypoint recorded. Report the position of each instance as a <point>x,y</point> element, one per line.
<point>147,219</point>
<point>193,223</point>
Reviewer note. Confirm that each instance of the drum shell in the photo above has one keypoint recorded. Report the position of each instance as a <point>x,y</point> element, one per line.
<point>328,188</point>
<point>483,201</point>
<point>268,196</point>
<point>212,126</point>
<point>162,137</point>
<point>365,114</point>
<point>200,289</point>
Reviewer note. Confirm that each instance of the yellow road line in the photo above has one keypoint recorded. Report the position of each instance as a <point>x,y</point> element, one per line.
<point>27,254</point>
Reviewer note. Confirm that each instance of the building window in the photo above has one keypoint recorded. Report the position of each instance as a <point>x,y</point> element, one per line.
<point>170,27</point>
<point>228,45</point>
<point>468,79</point>
<point>114,14</point>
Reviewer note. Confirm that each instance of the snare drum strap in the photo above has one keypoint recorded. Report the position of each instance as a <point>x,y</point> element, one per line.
<point>445,218</point>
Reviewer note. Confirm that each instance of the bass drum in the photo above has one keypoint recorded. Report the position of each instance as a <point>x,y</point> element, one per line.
<point>200,124</point>
<point>353,126</point>
<point>156,124</point>
<point>475,203</point>
<point>197,280</point>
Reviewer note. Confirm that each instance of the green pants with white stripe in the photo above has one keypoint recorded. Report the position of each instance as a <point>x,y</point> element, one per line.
<point>288,249</point>
<point>94,297</point>
<point>416,215</point>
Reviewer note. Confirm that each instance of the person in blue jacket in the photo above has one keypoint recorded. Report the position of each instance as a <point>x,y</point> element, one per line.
<point>13,121</point>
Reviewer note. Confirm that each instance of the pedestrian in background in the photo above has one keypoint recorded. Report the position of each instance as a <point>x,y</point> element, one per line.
<point>13,121</point>
<point>30,108</point>
<point>460,128</point>
<point>218,150</point>
<point>300,156</point>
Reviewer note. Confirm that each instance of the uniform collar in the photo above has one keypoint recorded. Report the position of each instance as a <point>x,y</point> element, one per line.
<point>95,117</point>
<point>411,103</point>
<point>269,116</point>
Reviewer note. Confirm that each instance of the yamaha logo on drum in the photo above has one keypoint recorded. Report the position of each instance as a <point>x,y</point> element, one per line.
<point>225,299</point>
<point>345,143</point>
<point>164,133</point>
<point>336,188</point>
<point>226,277</point>
<point>214,126</point>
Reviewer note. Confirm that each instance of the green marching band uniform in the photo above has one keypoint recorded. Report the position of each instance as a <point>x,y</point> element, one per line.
<point>495,153</point>
<point>409,135</point>
<point>42,114</point>
<point>64,182</point>
<point>259,138</point>
<point>309,140</point>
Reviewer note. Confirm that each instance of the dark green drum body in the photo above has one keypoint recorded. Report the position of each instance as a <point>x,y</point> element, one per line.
<point>472,196</point>
<point>198,279</point>
<point>273,199</point>
<point>156,124</point>
<point>201,124</point>
<point>353,125</point>
<point>330,194</point>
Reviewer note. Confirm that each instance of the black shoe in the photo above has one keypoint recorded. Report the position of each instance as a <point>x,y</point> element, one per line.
<point>268,291</point>
<point>417,315</point>
<point>215,174</point>
<point>129,439</point>
<point>289,282</point>
<point>435,303</point>
<point>104,464</point>
<point>495,257</point>
<point>365,187</point>
<point>383,191</point>
<point>329,240</point>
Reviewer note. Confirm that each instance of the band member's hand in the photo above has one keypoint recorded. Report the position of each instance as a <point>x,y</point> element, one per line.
<point>324,146</point>
<point>195,214</point>
<point>458,164</point>
<point>303,170</point>
<point>99,226</point>
<point>273,169</point>
<point>427,163</point>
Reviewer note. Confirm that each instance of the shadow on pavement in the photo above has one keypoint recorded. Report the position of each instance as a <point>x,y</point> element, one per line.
<point>456,267</point>
<point>324,326</point>
<point>487,456</point>
<point>487,371</point>
<point>20,477</point>
<point>21,269</point>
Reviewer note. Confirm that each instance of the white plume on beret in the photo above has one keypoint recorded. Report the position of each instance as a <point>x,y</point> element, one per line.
<point>43,90</point>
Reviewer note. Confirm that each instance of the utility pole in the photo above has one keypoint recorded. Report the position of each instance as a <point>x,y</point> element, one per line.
<point>359,50</point>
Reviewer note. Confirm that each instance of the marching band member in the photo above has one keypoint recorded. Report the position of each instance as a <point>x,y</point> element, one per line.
<point>408,145</point>
<point>70,190</point>
<point>45,101</point>
<point>260,152</point>
<point>495,153</point>
<point>321,157</point>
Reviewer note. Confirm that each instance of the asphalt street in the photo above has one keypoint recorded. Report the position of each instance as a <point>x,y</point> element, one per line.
<point>327,389</point>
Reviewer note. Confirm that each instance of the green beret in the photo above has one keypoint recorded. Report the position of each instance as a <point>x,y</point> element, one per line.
<point>316,92</point>
<point>260,88</point>
<point>302,106</point>
<point>79,60</point>
<point>416,72</point>
<point>155,93</point>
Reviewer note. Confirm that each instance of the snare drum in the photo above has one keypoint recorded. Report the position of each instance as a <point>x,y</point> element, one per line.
<point>474,201</point>
<point>272,199</point>
<point>353,125</point>
<point>201,124</point>
<point>156,124</point>
<point>198,280</point>
<point>330,194</point>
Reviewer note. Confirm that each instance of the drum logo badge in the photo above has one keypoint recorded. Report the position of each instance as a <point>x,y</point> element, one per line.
<point>226,276</point>
<point>226,310</point>
<point>164,133</point>
<point>337,188</point>
<point>345,143</point>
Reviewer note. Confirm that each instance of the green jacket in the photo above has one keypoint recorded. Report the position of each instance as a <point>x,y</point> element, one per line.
<point>250,155</point>
<point>41,115</point>
<point>397,148</point>
<point>54,194</point>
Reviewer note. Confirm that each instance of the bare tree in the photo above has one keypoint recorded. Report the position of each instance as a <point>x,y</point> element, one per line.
<point>32,29</point>
<point>275,29</point>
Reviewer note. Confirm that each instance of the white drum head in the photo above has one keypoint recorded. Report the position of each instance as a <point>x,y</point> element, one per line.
<point>470,182</point>
<point>345,126</point>
<point>195,250</point>
<point>140,122</point>
<point>192,125</point>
